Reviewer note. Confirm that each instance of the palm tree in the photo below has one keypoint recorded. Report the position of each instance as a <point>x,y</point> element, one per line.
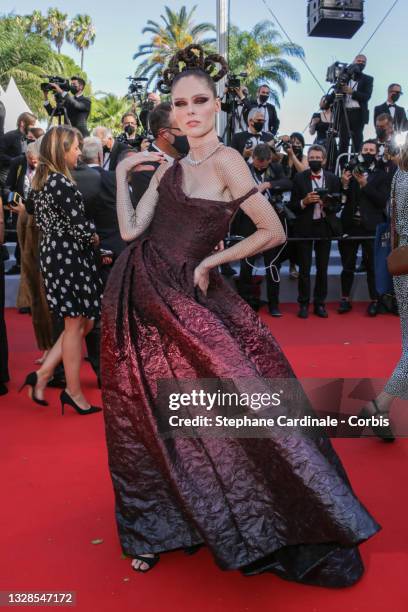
<point>176,32</point>
<point>81,33</point>
<point>108,111</point>
<point>57,27</point>
<point>26,58</point>
<point>259,53</point>
<point>37,23</point>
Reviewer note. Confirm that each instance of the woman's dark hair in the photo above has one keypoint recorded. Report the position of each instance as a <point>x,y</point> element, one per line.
<point>192,61</point>
<point>299,137</point>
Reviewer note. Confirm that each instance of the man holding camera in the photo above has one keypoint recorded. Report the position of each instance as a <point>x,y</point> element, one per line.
<point>315,201</point>
<point>77,106</point>
<point>367,188</point>
<point>272,182</point>
<point>390,107</point>
<point>245,142</point>
<point>357,93</point>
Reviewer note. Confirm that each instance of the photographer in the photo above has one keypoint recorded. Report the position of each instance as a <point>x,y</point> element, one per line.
<point>235,98</point>
<point>128,140</point>
<point>368,189</point>
<point>321,122</point>
<point>272,182</point>
<point>245,142</point>
<point>295,160</point>
<point>267,109</point>
<point>388,149</point>
<point>390,107</point>
<point>153,100</point>
<point>14,143</point>
<point>315,201</point>
<point>77,106</point>
<point>357,93</point>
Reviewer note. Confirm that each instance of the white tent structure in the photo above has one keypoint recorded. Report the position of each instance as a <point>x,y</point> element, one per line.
<point>14,103</point>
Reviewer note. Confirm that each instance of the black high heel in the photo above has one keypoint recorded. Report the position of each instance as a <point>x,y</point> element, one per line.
<point>67,399</point>
<point>31,381</point>
<point>191,550</point>
<point>384,432</point>
<point>150,561</point>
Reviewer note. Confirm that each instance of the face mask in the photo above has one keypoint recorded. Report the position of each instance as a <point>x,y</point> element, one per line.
<point>130,129</point>
<point>395,97</point>
<point>297,148</point>
<point>315,166</point>
<point>181,144</point>
<point>369,158</point>
<point>263,98</point>
<point>74,89</point>
<point>381,133</point>
<point>258,125</point>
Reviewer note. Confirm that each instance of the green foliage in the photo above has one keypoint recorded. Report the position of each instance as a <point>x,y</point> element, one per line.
<point>176,32</point>
<point>260,52</point>
<point>108,111</point>
<point>81,33</point>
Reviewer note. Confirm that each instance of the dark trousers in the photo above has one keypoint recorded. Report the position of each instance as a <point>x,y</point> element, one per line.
<point>356,129</point>
<point>348,250</point>
<point>320,229</point>
<point>245,288</point>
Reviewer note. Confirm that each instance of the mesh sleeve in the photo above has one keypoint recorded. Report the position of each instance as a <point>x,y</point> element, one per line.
<point>269,231</point>
<point>133,222</point>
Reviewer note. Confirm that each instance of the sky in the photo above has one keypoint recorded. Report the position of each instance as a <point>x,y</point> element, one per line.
<point>119,25</point>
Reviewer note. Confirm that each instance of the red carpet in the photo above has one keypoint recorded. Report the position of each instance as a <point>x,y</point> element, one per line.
<point>57,495</point>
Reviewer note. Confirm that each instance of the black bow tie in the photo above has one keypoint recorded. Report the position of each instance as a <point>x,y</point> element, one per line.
<point>262,105</point>
<point>391,106</point>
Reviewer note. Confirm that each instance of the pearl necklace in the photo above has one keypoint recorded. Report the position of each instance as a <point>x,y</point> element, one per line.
<point>197,162</point>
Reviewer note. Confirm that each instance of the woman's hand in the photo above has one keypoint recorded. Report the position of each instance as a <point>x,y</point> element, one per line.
<point>202,277</point>
<point>219,247</point>
<point>139,162</point>
<point>16,208</point>
<point>145,144</point>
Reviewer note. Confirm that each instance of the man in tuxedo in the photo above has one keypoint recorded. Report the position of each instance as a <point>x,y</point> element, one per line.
<point>267,109</point>
<point>367,196</point>
<point>77,106</point>
<point>107,139</point>
<point>245,142</point>
<point>315,218</point>
<point>168,139</point>
<point>14,143</point>
<point>271,181</point>
<point>356,95</point>
<point>390,107</point>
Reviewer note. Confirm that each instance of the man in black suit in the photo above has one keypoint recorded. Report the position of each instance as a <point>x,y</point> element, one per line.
<point>390,107</point>
<point>315,218</point>
<point>267,109</point>
<point>356,95</point>
<point>168,139</point>
<point>105,135</point>
<point>13,143</point>
<point>367,196</point>
<point>271,181</point>
<point>77,106</point>
<point>245,142</point>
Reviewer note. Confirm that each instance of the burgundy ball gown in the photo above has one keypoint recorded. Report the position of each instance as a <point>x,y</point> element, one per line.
<point>257,505</point>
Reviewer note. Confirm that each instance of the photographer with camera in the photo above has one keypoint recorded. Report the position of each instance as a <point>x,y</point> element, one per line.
<point>75,108</point>
<point>295,160</point>
<point>272,182</point>
<point>315,201</point>
<point>356,92</point>
<point>321,122</point>
<point>388,149</point>
<point>367,188</point>
<point>234,103</point>
<point>14,143</point>
<point>128,140</point>
<point>152,101</point>
<point>267,109</point>
<point>390,107</point>
<point>245,142</point>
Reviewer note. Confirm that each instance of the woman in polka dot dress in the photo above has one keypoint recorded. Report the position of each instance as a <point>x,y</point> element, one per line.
<point>68,264</point>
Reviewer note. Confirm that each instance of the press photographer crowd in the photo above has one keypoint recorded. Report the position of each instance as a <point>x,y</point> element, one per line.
<point>338,188</point>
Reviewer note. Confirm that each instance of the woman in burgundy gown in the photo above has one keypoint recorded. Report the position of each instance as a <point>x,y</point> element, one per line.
<point>283,505</point>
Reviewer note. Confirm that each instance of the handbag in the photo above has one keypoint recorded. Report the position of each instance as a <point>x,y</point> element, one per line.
<point>397,260</point>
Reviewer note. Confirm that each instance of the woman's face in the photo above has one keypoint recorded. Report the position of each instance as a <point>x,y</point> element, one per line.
<point>72,155</point>
<point>194,106</point>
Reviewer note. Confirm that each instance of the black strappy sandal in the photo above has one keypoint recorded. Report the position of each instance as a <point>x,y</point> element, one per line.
<point>150,561</point>
<point>384,432</point>
<point>191,550</point>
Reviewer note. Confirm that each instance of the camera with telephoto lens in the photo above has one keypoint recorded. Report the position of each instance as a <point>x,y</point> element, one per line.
<point>331,201</point>
<point>340,74</point>
<point>283,144</point>
<point>276,199</point>
<point>356,164</point>
<point>137,86</point>
<point>55,80</point>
